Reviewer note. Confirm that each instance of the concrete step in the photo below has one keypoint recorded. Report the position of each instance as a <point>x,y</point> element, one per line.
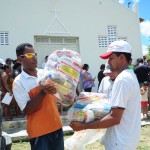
<point>21,122</point>
<point>21,134</point>
<point>16,129</point>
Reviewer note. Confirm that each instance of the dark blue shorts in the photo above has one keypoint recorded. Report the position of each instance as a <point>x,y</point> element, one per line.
<point>51,141</point>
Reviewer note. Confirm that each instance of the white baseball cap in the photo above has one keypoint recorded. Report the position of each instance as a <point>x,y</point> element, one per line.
<point>2,61</point>
<point>117,46</point>
<point>107,69</point>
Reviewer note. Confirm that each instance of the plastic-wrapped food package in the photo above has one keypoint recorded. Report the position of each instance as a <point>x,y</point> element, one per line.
<point>63,68</point>
<point>90,106</point>
<point>80,139</point>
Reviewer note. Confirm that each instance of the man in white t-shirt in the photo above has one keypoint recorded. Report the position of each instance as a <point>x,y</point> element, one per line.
<point>124,121</point>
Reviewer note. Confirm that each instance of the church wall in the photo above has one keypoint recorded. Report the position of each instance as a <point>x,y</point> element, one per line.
<point>85,19</point>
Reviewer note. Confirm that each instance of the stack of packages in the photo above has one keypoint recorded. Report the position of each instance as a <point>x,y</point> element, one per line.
<point>63,69</point>
<point>88,107</point>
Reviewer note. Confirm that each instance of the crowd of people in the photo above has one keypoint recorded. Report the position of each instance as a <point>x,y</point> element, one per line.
<point>9,69</point>
<point>126,86</point>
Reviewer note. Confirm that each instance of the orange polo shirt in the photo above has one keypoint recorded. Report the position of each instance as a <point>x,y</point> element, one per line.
<point>46,119</point>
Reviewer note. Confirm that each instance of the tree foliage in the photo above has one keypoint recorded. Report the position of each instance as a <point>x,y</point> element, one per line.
<point>148,54</point>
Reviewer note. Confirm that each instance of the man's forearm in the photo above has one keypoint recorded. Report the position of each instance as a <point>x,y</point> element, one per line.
<point>107,121</point>
<point>34,104</point>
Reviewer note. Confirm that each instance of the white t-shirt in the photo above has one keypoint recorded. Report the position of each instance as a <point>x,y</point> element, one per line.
<point>125,94</point>
<point>23,83</point>
<point>106,86</point>
<point>144,97</point>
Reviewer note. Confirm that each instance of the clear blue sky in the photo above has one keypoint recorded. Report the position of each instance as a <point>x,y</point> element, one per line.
<point>144,12</point>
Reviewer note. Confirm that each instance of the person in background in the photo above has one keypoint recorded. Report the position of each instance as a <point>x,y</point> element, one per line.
<point>1,62</point>
<point>144,99</point>
<point>148,64</point>
<point>37,101</point>
<point>1,71</point>
<point>43,65</point>
<point>124,121</point>
<point>142,72</point>
<point>107,82</point>
<point>8,61</point>
<point>144,58</point>
<point>6,86</point>
<point>14,61</point>
<point>149,97</point>
<point>86,78</point>
<point>139,62</point>
<point>16,69</point>
<point>106,86</point>
<point>101,75</point>
<point>15,72</point>
<point>131,65</point>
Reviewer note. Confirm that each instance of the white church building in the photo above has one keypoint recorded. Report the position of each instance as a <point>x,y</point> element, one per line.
<point>86,26</point>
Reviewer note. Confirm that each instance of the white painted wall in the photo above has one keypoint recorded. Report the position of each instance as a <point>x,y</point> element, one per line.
<point>85,19</point>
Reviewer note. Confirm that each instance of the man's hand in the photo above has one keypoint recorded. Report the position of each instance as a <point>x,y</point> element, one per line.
<point>77,126</point>
<point>49,88</point>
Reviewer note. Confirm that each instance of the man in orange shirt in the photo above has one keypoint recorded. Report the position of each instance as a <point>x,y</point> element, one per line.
<point>44,126</point>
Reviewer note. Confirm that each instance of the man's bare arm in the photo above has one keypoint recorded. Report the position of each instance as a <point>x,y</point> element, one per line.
<point>110,120</point>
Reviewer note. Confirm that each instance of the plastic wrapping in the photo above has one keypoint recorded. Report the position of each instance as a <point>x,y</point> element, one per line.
<point>89,107</point>
<point>63,68</point>
<point>80,139</point>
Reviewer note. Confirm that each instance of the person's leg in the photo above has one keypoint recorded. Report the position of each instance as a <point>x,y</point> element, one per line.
<point>18,111</point>
<point>147,115</point>
<point>32,143</point>
<point>149,96</point>
<point>142,112</point>
<point>40,143</point>
<point>57,140</point>
<point>6,111</point>
<point>146,111</point>
<point>149,103</point>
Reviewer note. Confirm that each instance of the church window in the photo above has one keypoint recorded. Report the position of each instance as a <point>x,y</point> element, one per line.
<point>104,41</point>
<point>4,39</point>
<point>112,31</point>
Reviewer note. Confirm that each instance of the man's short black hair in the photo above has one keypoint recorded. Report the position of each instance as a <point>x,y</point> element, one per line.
<point>21,48</point>
<point>127,55</point>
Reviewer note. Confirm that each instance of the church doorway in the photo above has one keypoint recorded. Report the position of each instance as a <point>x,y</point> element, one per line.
<point>45,45</point>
